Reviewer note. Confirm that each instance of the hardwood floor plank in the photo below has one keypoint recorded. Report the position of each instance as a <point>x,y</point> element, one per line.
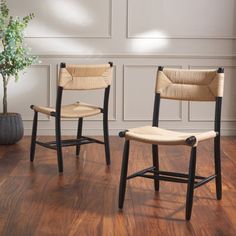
<point>36,200</point>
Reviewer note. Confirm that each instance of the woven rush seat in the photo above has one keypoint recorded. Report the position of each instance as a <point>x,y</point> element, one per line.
<point>75,110</point>
<point>156,135</point>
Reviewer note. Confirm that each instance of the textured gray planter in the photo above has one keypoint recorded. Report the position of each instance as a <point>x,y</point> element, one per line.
<point>11,128</point>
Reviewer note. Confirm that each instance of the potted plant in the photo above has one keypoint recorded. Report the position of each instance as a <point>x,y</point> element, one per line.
<point>14,57</point>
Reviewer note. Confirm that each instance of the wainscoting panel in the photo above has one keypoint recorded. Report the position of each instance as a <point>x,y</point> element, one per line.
<point>139,93</point>
<point>33,87</point>
<point>207,109</point>
<point>63,18</point>
<point>181,19</point>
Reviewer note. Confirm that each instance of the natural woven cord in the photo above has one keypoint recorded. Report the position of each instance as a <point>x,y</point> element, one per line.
<point>85,77</point>
<point>156,135</point>
<point>190,85</point>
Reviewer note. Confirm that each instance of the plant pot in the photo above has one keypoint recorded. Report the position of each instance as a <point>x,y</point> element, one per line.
<point>11,128</point>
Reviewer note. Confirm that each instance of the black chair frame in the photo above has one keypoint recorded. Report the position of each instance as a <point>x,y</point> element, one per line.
<point>80,140</point>
<point>193,181</point>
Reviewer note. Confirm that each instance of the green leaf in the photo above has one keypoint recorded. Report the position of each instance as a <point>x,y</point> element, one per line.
<point>15,55</point>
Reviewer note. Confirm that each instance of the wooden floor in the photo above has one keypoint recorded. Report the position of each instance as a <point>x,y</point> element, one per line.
<point>35,200</point>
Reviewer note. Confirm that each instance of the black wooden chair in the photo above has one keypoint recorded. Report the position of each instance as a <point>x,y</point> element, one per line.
<point>178,84</point>
<point>76,77</point>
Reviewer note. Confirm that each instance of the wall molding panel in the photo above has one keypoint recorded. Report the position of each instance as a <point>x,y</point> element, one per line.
<point>132,113</point>
<point>33,87</point>
<point>155,25</point>
<point>230,84</point>
<point>137,36</point>
<point>67,19</point>
<point>48,94</point>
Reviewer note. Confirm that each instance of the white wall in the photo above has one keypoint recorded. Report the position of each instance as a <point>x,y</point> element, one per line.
<point>137,36</point>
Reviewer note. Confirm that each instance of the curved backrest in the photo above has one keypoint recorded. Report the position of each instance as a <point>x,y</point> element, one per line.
<point>190,85</point>
<point>85,77</point>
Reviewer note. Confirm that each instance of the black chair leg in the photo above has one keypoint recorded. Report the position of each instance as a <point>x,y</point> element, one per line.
<point>217,167</point>
<point>106,138</point>
<point>190,190</point>
<point>33,137</point>
<point>155,159</point>
<point>79,133</point>
<point>123,176</point>
<point>58,142</point>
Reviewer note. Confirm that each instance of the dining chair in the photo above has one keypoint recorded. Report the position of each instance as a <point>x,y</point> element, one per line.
<point>178,84</point>
<point>76,77</point>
